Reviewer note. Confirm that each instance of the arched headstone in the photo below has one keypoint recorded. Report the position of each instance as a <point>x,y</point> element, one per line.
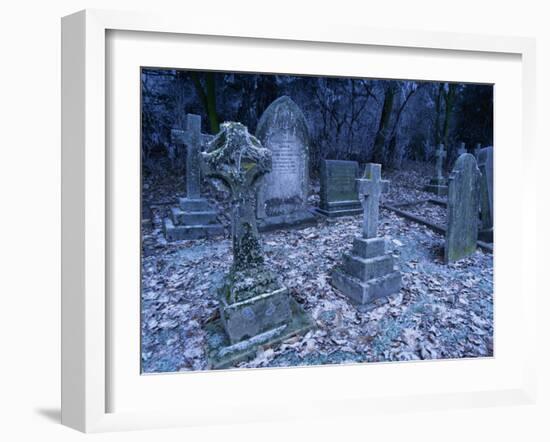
<point>282,197</point>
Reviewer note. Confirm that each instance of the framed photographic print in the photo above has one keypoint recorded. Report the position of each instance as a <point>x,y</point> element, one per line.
<point>291,223</point>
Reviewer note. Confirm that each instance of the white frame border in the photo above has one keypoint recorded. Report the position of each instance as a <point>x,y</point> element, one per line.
<point>84,239</point>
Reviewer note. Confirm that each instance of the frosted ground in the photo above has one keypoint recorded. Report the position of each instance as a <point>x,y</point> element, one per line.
<point>442,311</point>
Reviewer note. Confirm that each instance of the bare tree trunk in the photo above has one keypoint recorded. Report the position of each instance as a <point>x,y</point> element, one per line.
<point>380,140</point>
<point>207,96</point>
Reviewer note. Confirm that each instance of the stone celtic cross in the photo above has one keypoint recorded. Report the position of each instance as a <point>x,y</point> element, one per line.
<point>192,137</point>
<point>440,156</point>
<point>238,159</point>
<point>370,188</point>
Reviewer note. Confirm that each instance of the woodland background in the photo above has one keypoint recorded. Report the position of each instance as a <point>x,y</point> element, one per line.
<point>384,121</point>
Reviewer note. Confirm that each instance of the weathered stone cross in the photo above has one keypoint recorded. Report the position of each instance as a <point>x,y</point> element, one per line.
<point>194,140</point>
<point>440,156</point>
<point>369,188</point>
<point>239,160</point>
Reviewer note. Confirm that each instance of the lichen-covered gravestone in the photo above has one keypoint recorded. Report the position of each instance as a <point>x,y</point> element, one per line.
<point>194,217</point>
<point>255,308</point>
<point>485,164</point>
<point>368,273</point>
<point>462,209</point>
<point>438,184</point>
<point>339,188</point>
<point>282,196</point>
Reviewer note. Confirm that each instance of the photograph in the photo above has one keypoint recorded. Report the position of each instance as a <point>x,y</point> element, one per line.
<point>293,220</point>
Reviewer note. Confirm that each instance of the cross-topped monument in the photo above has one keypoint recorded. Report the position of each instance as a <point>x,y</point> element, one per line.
<point>477,151</point>
<point>194,217</point>
<point>440,156</point>
<point>370,188</point>
<point>193,139</point>
<point>255,308</point>
<point>368,272</point>
<point>438,183</point>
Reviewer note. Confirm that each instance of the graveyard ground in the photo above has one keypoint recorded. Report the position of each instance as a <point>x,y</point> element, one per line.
<point>442,311</point>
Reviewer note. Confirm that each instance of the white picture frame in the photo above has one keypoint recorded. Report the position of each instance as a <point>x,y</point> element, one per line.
<point>86,211</point>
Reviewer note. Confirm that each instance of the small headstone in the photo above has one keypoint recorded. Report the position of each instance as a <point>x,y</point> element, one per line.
<point>368,273</point>
<point>282,197</point>
<point>338,195</point>
<point>255,308</point>
<point>485,164</point>
<point>462,209</point>
<point>461,149</point>
<point>194,217</point>
<point>438,183</point>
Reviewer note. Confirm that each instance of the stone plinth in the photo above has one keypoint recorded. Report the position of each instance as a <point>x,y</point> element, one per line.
<point>192,219</point>
<point>437,186</point>
<point>367,273</point>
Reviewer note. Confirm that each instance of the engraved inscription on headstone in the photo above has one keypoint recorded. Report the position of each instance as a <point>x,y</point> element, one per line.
<point>338,194</point>
<point>282,198</point>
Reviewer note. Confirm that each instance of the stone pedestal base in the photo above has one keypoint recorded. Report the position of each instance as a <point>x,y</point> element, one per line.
<point>192,219</point>
<point>340,208</point>
<point>255,309</point>
<point>437,186</point>
<point>223,354</point>
<point>297,220</point>
<point>367,273</point>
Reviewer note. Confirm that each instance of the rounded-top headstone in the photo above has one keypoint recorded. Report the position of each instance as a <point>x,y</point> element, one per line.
<point>283,130</point>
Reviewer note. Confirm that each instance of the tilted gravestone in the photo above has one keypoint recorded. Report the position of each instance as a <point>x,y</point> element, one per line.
<point>438,184</point>
<point>255,308</point>
<point>339,188</point>
<point>485,164</point>
<point>194,217</point>
<point>462,209</point>
<point>368,272</point>
<point>283,193</point>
